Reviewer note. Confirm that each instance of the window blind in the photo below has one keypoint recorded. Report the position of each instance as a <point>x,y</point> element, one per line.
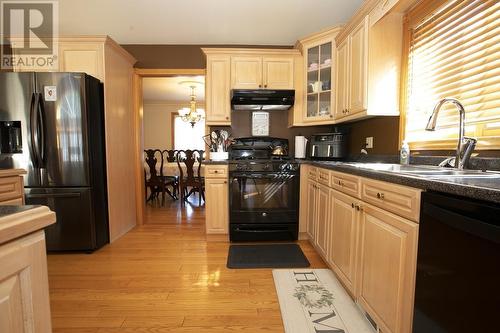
<point>455,52</point>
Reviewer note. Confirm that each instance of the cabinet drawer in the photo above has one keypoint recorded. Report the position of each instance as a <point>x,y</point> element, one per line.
<point>345,183</point>
<point>323,177</point>
<point>11,188</point>
<point>312,173</point>
<point>401,200</point>
<point>216,171</point>
<point>12,202</point>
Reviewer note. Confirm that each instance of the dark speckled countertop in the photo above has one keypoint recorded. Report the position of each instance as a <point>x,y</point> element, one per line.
<point>475,188</point>
<point>215,162</point>
<point>9,210</point>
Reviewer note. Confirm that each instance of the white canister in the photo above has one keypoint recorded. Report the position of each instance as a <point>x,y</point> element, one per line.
<point>300,146</point>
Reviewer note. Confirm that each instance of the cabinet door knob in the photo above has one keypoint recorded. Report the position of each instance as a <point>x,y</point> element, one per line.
<point>260,85</point>
<point>331,116</point>
<point>352,205</point>
<point>380,195</point>
<point>265,86</point>
<point>227,118</point>
<point>225,182</point>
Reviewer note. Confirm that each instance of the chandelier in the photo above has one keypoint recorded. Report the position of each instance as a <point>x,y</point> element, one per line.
<point>191,114</point>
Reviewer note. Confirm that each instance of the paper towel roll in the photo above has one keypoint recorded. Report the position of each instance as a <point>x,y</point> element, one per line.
<point>300,146</point>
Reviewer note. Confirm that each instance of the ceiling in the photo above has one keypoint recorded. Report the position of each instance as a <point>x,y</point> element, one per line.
<point>245,22</point>
<point>168,89</point>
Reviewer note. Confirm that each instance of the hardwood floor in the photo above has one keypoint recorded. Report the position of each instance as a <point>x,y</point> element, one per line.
<point>163,277</point>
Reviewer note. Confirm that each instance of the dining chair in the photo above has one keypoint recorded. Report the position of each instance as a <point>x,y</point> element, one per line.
<point>169,156</point>
<point>189,177</point>
<point>157,182</point>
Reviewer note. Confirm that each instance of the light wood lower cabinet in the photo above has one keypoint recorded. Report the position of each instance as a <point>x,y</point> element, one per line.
<point>371,250</point>
<point>343,236</point>
<point>387,257</point>
<point>322,221</point>
<point>311,209</point>
<point>216,199</point>
<point>24,292</point>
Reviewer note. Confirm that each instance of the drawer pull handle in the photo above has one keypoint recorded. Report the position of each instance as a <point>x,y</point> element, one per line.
<point>380,196</point>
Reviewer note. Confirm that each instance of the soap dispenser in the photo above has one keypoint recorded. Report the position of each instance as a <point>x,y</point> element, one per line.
<point>404,155</point>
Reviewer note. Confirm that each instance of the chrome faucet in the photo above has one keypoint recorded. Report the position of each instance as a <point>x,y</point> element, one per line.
<point>465,145</point>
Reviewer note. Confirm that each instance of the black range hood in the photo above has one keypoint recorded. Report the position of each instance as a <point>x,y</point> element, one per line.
<point>262,99</point>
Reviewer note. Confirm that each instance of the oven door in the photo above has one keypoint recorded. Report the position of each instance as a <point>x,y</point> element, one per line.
<point>268,197</point>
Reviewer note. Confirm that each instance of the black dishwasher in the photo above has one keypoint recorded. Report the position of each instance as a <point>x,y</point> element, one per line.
<point>458,266</point>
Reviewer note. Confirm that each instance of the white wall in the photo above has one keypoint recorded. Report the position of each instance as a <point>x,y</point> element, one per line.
<point>158,123</point>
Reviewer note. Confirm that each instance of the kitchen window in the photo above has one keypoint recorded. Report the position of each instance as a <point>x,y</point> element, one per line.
<point>453,51</point>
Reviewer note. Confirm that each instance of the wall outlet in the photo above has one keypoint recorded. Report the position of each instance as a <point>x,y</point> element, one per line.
<point>369,142</point>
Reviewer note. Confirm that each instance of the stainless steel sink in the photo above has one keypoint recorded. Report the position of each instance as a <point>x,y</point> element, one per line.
<point>426,171</point>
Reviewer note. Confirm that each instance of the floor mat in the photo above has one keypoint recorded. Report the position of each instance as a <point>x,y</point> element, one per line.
<point>313,300</point>
<point>266,256</point>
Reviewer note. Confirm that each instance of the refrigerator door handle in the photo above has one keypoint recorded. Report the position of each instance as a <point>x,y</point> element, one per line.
<point>41,128</point>
<point>53,195</point>
<point>33,126</point>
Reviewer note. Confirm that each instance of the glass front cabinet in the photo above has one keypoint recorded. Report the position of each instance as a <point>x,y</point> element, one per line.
<point>319,68</point>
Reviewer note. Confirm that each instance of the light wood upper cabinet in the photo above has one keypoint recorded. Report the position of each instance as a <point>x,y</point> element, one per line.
<point>358,68</point>
<point>387,265</point>
<point>218,104</point>
<point>246,72</point>
<point>343,237</point>
<point>278,72</point>
<point>75,56</point>
<point>352,76</point>
<point>319,67</point>
<point>217,199</point>
<point>342,73</point>
<point>233,68</point>
<point>370,76</point>
<point>262,72</point>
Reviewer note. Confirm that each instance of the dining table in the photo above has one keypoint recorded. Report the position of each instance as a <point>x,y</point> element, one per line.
<point>172,169</point>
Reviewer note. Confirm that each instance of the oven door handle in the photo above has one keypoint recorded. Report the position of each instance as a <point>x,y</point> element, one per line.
<point>265,176</point>
<point>256,231</point>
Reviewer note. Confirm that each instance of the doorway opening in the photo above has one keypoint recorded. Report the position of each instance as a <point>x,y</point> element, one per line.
<point>173,124</point>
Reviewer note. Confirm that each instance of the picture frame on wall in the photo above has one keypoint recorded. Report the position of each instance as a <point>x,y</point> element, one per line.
<point>260,123</point>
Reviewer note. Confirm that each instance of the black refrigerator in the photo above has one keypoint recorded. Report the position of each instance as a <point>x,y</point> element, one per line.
<point>52,125</point>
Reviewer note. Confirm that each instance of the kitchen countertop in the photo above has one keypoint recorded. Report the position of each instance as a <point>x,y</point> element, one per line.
<point>17,221</point>
<point>215,162</point>
<point>475,188</point>
<point>11,172</point>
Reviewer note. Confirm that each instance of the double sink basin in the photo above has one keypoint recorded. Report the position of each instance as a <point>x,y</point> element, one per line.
<point>428,172</point>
